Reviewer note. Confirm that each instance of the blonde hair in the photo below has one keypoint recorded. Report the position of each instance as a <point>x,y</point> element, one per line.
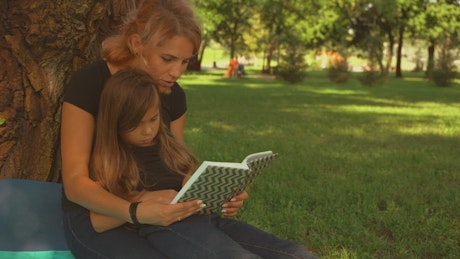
<point>125,99</point>
<point>154,21</point>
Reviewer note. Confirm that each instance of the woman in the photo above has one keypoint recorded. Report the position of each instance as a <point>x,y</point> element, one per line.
<point>160,37</point>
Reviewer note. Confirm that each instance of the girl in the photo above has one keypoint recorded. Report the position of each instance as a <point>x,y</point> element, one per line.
<point>134,151</point>
<point>128,127</point>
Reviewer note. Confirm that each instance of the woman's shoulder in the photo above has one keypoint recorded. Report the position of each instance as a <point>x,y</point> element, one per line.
<point>177,95</point>
<point>86,85</point>
<point>98,68</point>
<point>175,103</point>
<point>177,90</point>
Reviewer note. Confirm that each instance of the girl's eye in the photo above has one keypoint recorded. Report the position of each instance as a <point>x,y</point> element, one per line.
<point>166,59</point>
<point>154,118</point>
<point>131,129</point>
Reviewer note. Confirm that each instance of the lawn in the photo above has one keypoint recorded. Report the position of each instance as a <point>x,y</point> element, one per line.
<point>363,172</point>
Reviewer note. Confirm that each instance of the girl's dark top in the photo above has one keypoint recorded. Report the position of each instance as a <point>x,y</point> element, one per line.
<point>84,91</point>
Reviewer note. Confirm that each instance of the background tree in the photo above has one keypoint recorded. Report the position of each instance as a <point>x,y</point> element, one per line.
<point>437,24</point>
<point>227,21</point>
<point>285,25</point>
<point>41,44</point>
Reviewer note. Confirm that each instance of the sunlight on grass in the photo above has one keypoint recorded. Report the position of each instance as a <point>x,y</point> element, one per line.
<point>406,111</point>
<point>338,91</point>
<point>267,131</point>
<point>222,125</point>
<point>418,118</point>
<point>339,253</point>
<point>421,130</point>
<point>258,85</point>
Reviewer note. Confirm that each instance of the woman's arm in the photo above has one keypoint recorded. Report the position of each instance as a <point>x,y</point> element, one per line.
<point>77,132</point>
<point>161,201</point>
<point>101,222</point>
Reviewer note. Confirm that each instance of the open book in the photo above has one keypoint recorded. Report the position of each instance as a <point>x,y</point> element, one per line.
<point>217,182</point>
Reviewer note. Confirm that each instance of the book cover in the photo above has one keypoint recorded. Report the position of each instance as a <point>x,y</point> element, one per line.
<point>217,182</point>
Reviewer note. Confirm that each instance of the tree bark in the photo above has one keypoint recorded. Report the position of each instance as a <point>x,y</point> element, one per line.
<point>41,44</point>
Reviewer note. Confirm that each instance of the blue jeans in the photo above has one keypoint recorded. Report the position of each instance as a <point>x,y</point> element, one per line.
<point>211,236</point>
<point>119,243</point>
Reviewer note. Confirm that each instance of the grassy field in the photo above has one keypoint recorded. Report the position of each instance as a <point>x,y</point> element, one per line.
<point>363,172</point>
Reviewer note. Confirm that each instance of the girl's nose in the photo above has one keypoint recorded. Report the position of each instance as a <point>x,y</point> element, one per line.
<point>147,130</point>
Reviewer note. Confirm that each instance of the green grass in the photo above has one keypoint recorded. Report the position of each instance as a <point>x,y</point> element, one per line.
<point>363,172</point>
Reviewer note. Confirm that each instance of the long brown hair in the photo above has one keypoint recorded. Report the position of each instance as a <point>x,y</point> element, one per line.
<point>125,99</point>
<point>154,21</point>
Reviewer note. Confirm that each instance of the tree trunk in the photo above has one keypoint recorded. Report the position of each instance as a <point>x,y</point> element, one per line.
<point>399,52</point>
<point>195,63</point>
<point>41,44</point>
<point>430,62</point>
<point>390,53</point>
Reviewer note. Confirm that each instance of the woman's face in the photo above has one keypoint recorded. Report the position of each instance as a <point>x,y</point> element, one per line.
<point>167,62</point>
<point>144,134</point>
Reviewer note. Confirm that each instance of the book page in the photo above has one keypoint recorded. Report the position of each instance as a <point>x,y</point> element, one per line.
<point>226,164</point>
<point>255,156</point>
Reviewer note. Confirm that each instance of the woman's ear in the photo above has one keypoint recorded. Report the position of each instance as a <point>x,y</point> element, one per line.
<point>135,44</point>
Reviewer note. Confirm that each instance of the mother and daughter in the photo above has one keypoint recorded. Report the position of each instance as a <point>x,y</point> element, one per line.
<point>124,158</point>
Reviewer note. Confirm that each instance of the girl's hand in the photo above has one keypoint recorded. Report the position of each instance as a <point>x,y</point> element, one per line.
<point>231,207</point>
<point>156,209</point>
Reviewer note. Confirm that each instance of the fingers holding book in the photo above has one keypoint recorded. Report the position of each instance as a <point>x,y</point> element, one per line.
<point>231,208</point>
<point>198,205</point>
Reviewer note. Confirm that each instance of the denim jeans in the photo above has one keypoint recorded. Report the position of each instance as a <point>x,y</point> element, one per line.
<point>119,243</point>
<point>211,236</point>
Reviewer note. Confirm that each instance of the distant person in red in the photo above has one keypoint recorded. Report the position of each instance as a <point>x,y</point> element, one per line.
<point>234,64</point>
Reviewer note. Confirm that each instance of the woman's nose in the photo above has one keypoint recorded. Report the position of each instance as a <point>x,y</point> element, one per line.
<point>177,70</point>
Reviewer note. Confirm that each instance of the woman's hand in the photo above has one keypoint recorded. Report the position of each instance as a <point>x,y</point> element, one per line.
<point>231,207</point>
<point>156,209</point>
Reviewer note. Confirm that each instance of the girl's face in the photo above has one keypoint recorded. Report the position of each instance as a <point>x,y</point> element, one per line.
<point>167,62</point>
<point>144,134</point>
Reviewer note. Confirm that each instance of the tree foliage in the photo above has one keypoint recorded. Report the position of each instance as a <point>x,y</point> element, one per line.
<point>227,21</point>
<point>379,28</point>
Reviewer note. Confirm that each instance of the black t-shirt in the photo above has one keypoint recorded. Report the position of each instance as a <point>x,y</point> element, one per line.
<point>84,91</point>
<point>154,174</point>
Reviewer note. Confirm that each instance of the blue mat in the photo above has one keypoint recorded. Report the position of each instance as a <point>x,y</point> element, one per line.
<point>30,220</point>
